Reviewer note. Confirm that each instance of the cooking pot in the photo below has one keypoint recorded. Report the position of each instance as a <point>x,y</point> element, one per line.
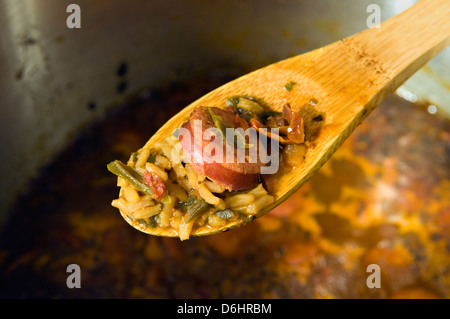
<point>56,81</point>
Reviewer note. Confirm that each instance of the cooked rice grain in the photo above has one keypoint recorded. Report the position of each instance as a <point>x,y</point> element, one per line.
<point>146,212</point>
<point>239,200</point>
<point>216,221</point>
<point>208,197</point>
<point>177,190</point>
<point>184,183</point>
<point>179,170</point>
<point>130,194</point>
<point>157,170</point>
<point>121,182</point>
<point>258,191</point>
<point>259,204</point>
<point>191,175</point>
<point>185,228</point>
<point>129,208</point>
<point>213,187</point>
<point>142,157</point>
<point>162,162</point>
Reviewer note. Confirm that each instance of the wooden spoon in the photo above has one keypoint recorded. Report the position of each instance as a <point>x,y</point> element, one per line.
<point>343,82</point>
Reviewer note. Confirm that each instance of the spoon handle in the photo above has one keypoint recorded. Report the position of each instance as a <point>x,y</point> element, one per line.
<point>404,43</point>
<point>358,72</point>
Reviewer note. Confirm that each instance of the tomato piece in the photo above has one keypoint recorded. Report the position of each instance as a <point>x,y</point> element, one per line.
<point>256,124</point>
<point>240,122</point>
<point>295,131</point>
<point>156,184</point>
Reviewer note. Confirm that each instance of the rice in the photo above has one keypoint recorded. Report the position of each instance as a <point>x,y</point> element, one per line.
<point>258,191</point>
<point>181,181</point>
<point>259,204</point>
<point>129,208</point>
<point>239,200</point>
<point>191,175</point>
<point>184,183</point>
<point>157,170</point>
<point>177,191</point>
<point>185,228</point>
<point>213,187</point>
<point>216,221</point>
<point>162,162</point>
<point>142,157</point>
<point>146,212</point>
<point>206,194</point>
<point>130,194</point>
<point>179,170</point>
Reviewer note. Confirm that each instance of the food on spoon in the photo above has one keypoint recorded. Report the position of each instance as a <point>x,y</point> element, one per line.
<point>210,172</point>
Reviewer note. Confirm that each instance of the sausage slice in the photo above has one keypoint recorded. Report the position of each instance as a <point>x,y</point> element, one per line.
<point>236,174</point>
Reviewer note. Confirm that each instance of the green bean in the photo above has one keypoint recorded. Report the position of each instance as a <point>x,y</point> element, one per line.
<point>196,209</point>
<point>149,222</point>
<point>193,207</point>
<point>133,177</point>
<point>183,205</point>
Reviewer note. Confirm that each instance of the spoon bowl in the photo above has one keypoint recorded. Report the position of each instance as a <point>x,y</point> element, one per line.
<point>340,83</point>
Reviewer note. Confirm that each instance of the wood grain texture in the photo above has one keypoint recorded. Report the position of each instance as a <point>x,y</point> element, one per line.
<point>346,80</point>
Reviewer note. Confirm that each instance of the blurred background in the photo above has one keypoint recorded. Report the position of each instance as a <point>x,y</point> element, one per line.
<point>74,99</point>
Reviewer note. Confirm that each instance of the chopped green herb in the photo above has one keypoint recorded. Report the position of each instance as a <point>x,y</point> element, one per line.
<point>218,122</point>
<point>265,115</point>
<point>289,86</point>
<point>245,106</point>
<point>251,105</point>
<point>238,138</point>
<point>234,100</point>
<point>176,132</point>
<point>150,222</point>
<point>225,214</point>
